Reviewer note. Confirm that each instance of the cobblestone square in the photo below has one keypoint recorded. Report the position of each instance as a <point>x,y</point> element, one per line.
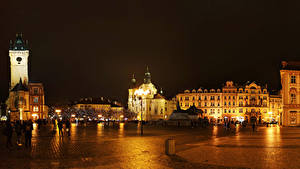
<point>121,146</point>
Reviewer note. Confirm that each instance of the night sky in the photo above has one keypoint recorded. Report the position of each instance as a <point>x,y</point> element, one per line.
<point>92,48</point>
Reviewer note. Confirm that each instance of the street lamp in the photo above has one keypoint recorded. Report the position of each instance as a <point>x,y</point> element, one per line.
<point>270,117</point>
<point>141,93</point>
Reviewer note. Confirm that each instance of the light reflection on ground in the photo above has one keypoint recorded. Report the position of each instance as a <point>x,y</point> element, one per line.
<point>121,146</point>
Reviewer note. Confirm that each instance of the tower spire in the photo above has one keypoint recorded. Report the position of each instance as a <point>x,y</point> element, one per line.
<point>147,78</point>
<point>133,82</point>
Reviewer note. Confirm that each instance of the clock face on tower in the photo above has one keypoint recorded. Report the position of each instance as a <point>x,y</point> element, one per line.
<point>19,59</point>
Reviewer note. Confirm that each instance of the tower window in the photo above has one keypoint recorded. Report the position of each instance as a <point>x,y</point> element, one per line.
<point>35,99</point>
<point>35,91</point>
<point>35,108</point>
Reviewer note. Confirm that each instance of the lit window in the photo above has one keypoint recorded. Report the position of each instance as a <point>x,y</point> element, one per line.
<point>241,110</point>
<point>293,98</point>
<point>35,90</point>
<point>35,109</point>
<point>293,79</point>
<point>35,99</point>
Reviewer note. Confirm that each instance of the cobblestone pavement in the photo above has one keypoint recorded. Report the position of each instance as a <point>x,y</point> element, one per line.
<point>269,147</point>
<point>97,146</point>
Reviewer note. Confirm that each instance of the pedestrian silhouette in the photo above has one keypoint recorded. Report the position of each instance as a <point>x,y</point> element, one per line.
<point>253,127</point>
<point>60,126</point>
<point>8,130</point>
<point>18,130</point>
<point>28,133</point>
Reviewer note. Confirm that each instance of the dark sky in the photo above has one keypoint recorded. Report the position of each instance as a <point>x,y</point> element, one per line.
<point>91,48</point>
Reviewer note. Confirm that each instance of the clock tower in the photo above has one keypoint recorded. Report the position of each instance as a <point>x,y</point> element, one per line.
<point>18,53</point>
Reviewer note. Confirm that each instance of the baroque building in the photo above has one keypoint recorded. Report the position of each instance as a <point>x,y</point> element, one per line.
<point>290,83</point>
<point>147,102</point>
<point>250,102</point>
<point>99,105</point>
<point>26,99</point>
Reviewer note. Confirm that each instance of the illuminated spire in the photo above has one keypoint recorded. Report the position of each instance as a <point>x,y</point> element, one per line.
<point>133,80</point>
<point>19,43</point>
<point>161,91</point>
<point>147,78</point>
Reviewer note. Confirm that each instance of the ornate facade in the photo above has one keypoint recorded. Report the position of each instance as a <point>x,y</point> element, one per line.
<point>290,82</point>
<point>98,105</point>
<point>147,103</point>
<point>249,102</point>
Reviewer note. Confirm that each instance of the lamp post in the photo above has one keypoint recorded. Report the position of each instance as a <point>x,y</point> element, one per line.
<point>140,93</point>
<point>142,130</point>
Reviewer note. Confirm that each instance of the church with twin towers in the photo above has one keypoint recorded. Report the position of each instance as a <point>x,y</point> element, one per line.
<point>26,99</point>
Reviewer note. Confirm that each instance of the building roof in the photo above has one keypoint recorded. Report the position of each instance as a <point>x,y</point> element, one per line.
<point>190,111</point>
<point>19,43</point>
<point>100,100</point>
<point>290,64</point>
<point>20,87</point>
<point>93,101</point>
<point>158,96</point>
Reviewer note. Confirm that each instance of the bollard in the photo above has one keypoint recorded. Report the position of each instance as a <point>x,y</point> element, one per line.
<point>170,146</point>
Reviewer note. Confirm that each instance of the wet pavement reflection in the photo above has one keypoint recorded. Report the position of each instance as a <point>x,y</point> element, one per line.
<point>119,145</point>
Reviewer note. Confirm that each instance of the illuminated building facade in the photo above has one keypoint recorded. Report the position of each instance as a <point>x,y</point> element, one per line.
<point>290,82</point>
<point>249,102</point>
<point>37,105</point>
<point>26,99</point>
<point>147,103</point>
<point>98,105</point>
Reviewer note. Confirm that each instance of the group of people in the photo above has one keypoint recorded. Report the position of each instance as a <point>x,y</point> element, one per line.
<point>19,127</point>
<point>60,125</point>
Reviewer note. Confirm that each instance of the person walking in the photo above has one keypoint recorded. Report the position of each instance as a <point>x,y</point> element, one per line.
<point>28,133</point>
<point>8,130</point>
<point>60,127</point>
<point>18,130</point>
<point>253,127</point>
<point>54,124</point>
<point>68,127</point>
